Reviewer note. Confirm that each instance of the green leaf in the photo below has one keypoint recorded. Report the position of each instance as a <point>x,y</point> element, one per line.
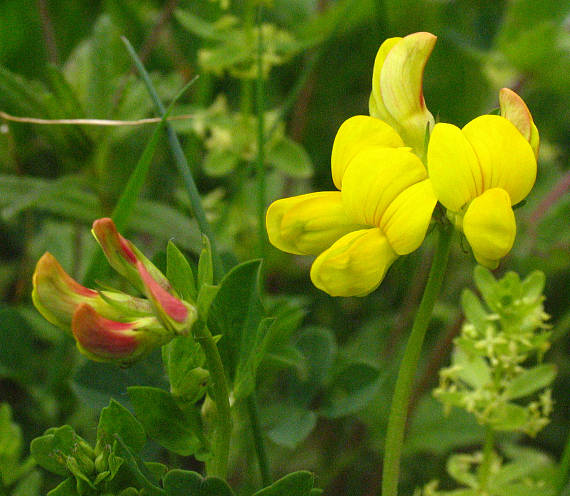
<point>199,27</point>
<point>352,389</point>
<point>296,484</point>
<point>473,368</point>
<point>53,448</point>
<point>184,483</point>
<point>183,359</point>
<point>474,310</point>
<point>67,488</point>
<point>10,447</point>
<point>116,419</point>
<point>206,296</point>
<point>508,417</point>
<point>236,314</point>
<point>205,265</point>
<point>290,158</point>
<point>531,380</point>
<point>533,285</point>
<point>219,162</point>
<point>318,344</point>
<point>179,273</point>
<point>290,424</point>
<point>30,485</point>
<point>164,421</point>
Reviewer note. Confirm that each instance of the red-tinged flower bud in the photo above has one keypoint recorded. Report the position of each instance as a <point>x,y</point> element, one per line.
<point>123,255</point>
<point>56,295</point>
<point>106,340</point>
<point>173,313</point>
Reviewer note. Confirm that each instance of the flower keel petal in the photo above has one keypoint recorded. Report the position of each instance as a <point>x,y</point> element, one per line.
<point>355,265</point>
<point>489,226</point>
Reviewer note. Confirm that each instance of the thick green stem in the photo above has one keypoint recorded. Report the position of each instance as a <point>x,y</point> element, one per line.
<point>399,409</point>
<point>218,464</point>
<point>485,467</point>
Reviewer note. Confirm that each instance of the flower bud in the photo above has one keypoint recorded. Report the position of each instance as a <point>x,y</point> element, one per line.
<point>106,340</point>
<point>123,255</point>
<point>56,296</point>
<point>515,110</point>
<point>173,313</point>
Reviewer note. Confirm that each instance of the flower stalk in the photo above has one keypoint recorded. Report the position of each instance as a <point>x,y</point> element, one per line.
<point>400,401</point>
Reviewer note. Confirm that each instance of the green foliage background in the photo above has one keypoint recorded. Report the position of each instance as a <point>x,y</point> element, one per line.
<point>324,400</point>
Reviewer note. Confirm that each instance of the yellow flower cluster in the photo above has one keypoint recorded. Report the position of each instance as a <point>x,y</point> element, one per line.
<point>390,176</point>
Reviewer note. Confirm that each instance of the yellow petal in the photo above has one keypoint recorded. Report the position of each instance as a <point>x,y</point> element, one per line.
<point>489,226</point>
<point>506,159</point>
<point>354,134</point>
<point>515,110</point>
<point>374,178</point>
<point>407,218</point>
<point>401,80</point>
<point>376,103</point>
<point>355,265</point>
<point>453,167</point>
<point>307,224</point>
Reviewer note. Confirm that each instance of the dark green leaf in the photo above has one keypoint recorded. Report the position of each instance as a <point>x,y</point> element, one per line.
<point>116,419</point>
<point>352,389</point>
<point>236,314</point>
<point>183,359</point>
<point>67,488</point>
<point>296,484</point>
<point>290,424</point>
<point>186,483</point>
<point>52,449</point>
<point>164,421</point>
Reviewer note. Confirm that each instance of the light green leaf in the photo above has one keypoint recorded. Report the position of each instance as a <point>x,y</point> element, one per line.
<point>179,273</point>
<point>290,158</point>
<point>531,380</point>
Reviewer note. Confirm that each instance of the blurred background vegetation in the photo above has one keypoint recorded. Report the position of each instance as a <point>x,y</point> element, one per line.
<point>65,59</point>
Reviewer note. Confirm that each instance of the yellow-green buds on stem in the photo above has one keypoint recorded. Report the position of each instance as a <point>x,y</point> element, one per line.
<point>107,325</point>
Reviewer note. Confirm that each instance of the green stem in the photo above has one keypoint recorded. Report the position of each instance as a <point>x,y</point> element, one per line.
<point>485,467</point>
<point>261,237</point>
<point>260,164</point>
<point>218,464</point>
<point>258,440</point>
<point>181,164</point>
<point>563,470</point>
<point>402,392</point>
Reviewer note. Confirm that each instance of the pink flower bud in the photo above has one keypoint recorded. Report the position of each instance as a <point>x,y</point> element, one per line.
<point>106,340</point>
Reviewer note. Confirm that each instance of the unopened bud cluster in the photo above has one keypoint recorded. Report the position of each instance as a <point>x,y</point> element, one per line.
<point>496,364</point>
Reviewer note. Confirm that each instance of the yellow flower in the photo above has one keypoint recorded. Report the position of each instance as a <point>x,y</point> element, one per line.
<point>479,172</point>
<point>382,210</point>
<point>385,201</point>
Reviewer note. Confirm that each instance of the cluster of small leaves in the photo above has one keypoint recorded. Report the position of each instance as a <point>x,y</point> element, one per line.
<point>489,374</point>
<point>115,466</point>
<point>235,45</point>
<point>18,477</point>
<point>231,137</point>
<point>528,472</point>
